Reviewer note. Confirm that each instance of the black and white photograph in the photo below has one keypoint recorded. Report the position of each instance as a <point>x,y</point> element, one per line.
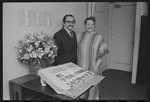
<point>75,51</point>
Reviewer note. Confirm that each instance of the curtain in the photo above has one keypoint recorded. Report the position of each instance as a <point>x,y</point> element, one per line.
<point>91,9</point>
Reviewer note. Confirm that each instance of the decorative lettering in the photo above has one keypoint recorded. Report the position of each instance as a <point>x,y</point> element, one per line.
<point>78,80</point>
<point>63,79</point>
<point>91,73</point>
<point>69,76</point>
<point>71,66</point>
<point>69,84</point>
<point>53,71</point>
<point>59,75</point>
<point>78,72</point>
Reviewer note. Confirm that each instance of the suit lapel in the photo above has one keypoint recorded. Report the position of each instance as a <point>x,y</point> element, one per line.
<point>68,36</point>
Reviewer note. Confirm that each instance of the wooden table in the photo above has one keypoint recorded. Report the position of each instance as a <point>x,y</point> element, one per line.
<point>28,87</point>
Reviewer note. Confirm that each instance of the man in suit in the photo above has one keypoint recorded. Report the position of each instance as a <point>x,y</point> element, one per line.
<point>66,41</point>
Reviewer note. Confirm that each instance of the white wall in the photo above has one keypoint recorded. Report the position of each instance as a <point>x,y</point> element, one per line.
<point>143,6</point>
<point>12,32</point>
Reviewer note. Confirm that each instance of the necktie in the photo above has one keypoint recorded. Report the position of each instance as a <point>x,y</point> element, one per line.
<point>71,34</point>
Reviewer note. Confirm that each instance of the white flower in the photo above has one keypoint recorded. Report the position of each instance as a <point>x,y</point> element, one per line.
<point>30,54</point>
<point>53,45</point>
<point>49,55</point>
<point>51,52</point>
<point>40,49</point>
<point>37,43</point>
<point>32,39</point>
<point>26,56</point>
<point>47,49</point>
<point>34,54</point>
<point>40,55</point>
<point>20,50</point>
<point>40,37</point>
<point>30,48</point>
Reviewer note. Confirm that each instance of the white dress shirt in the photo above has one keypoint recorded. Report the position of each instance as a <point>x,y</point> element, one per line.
<point>68,31</point>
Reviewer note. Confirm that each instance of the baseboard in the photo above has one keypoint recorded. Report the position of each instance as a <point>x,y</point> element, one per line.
<point>122,69</point>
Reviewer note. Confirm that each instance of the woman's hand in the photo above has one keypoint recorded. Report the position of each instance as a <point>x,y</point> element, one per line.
<point>95,70</point>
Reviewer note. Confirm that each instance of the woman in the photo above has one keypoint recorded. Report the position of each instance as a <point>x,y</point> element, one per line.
<point>91,49</point>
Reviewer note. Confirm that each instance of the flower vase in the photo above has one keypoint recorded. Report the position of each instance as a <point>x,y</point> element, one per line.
<point>34,70</point>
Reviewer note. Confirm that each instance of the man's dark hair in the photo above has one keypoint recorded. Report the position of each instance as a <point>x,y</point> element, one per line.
<point>64,19</point>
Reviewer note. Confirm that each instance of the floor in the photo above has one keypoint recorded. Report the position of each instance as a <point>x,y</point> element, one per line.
<point>117,86</point>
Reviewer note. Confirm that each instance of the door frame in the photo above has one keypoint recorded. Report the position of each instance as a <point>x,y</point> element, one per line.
<point>110,32</point>
<point>136,40</point>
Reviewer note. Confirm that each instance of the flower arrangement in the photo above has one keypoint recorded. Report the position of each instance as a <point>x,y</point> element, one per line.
<point>37,50</point>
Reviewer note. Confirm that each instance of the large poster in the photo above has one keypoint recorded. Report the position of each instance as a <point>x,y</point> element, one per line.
<point>69,79</point>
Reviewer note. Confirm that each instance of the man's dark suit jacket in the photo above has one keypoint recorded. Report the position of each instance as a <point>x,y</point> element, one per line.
<point>67,47</point>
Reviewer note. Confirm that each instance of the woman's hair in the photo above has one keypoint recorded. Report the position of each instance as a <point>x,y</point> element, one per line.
<point>90,18</point>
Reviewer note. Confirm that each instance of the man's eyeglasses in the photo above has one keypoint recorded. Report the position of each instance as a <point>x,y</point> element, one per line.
<point>69,22</point>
